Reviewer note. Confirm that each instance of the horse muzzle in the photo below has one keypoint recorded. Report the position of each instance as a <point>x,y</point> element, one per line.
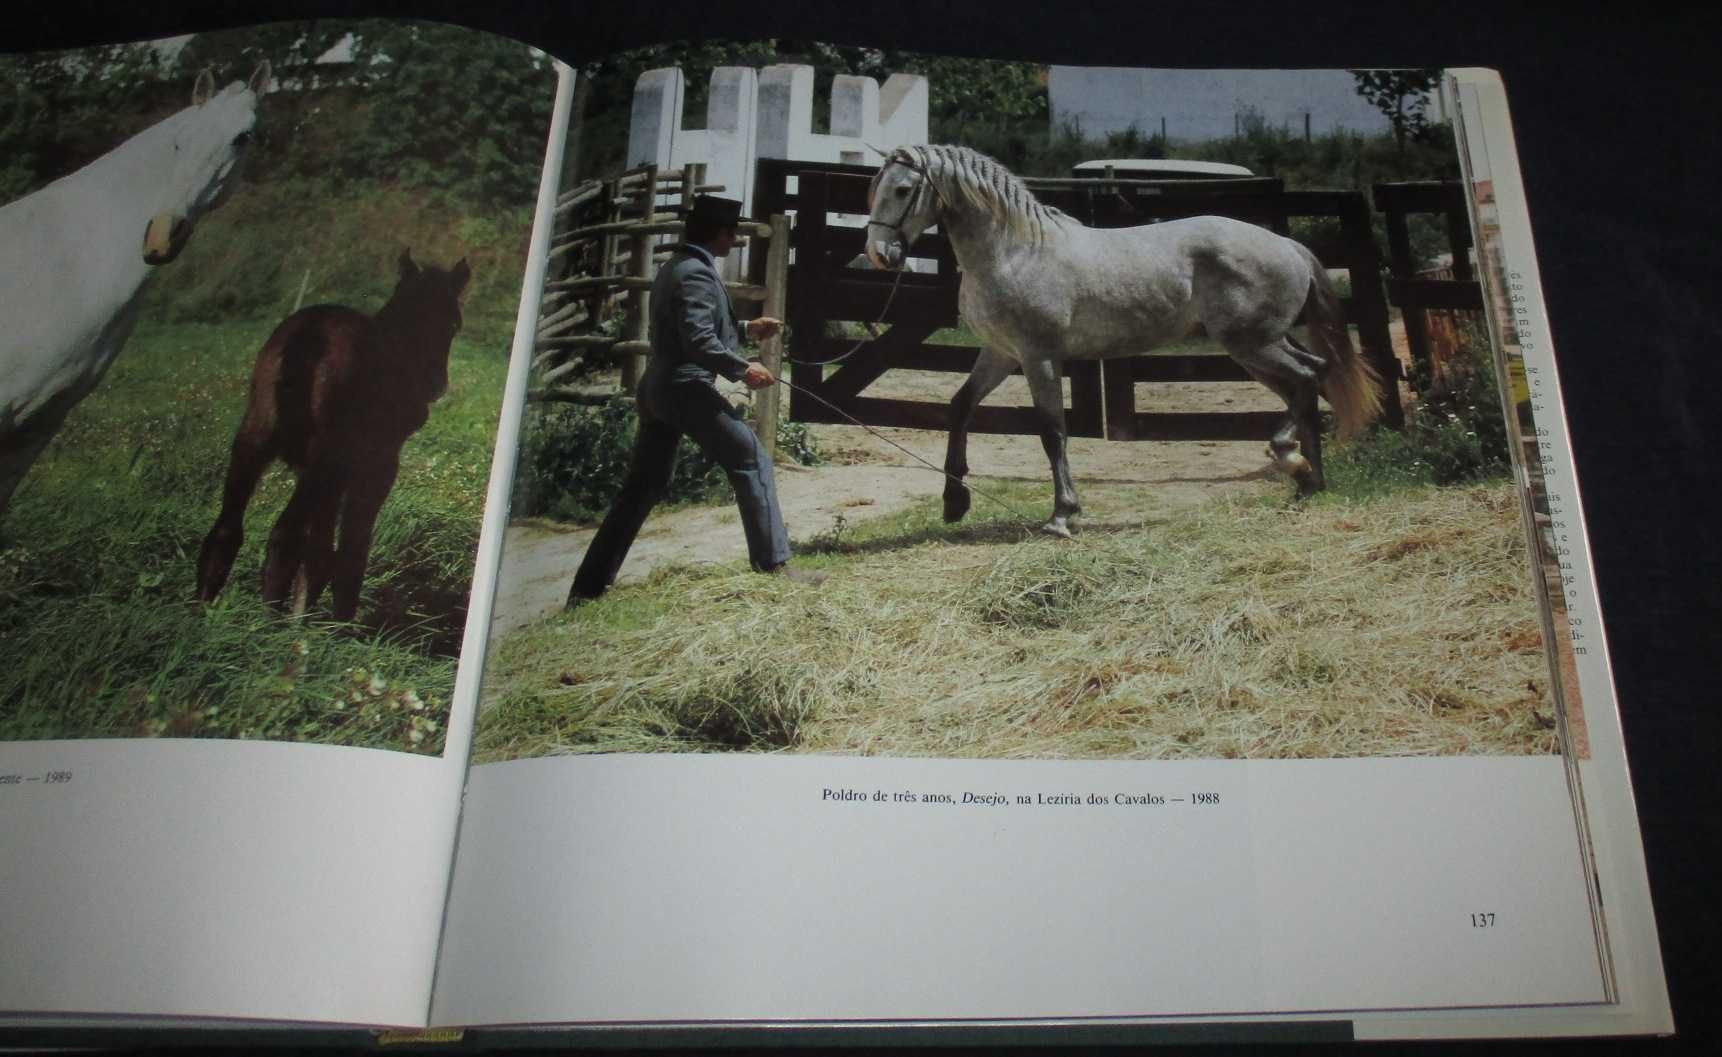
<point>165,237</point>
<point>886,255</point>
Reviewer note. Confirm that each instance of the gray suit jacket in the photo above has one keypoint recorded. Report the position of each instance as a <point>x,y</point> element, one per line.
<point>694,329</point>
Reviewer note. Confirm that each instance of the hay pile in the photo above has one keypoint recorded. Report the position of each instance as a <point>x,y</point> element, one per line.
<point>1240,628</point>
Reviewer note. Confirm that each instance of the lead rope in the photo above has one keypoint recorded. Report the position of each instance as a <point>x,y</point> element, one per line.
<point>883,312</point>
<point>941,472</point>
<point>898,157</point>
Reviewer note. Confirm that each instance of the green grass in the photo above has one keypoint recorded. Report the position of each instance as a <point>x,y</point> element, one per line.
<point>98,566</point>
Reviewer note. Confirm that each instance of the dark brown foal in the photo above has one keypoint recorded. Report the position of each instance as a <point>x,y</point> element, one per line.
<point>335,394</point>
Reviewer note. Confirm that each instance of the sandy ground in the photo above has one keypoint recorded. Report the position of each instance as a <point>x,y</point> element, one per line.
<point>868,476</point>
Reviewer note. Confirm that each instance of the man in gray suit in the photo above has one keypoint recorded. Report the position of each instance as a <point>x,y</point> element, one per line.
<point>694,335</point>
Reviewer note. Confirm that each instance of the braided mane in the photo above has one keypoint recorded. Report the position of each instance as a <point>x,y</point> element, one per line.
<point>968,176</point>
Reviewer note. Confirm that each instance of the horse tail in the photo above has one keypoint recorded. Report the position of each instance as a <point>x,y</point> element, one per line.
<point>1351,385</point>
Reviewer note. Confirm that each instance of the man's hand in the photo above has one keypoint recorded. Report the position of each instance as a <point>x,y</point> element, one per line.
<point>763,327</point>
<point>757,377</point>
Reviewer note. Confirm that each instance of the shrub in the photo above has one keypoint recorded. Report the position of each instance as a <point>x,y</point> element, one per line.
<point>574,459</point>
<point>1455,431</point>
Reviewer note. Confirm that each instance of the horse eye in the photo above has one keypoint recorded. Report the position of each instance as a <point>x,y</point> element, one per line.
<point>242,139</point>
<point>900,191</point>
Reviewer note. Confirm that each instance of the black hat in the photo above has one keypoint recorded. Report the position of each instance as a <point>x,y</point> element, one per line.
<point>716,212</point>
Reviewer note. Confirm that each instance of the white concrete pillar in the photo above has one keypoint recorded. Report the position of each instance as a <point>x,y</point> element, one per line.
<point>855,107</point>
<point>785,112</point>
<point>656,117</point>
<point>903,110</point>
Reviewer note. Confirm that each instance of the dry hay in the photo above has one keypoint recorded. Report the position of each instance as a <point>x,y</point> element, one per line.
<point>1240,628</point>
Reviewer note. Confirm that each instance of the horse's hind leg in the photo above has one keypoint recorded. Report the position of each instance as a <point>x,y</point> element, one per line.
<point>292,542</point>
<point>252,454</point>
<point>317,563</point>
<point>1048,393</point>
<point>989,370</point>
<point>1291,372</point>
<point>366,492</point>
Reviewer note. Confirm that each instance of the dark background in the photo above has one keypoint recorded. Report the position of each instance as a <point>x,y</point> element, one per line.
<point>1617,110</point>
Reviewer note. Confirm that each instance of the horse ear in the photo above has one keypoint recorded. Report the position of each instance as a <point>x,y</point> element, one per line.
<point>459,275</point>
<point>408,268</point>
<point>880,151</point>
<point>259,82</point>
<point>204,88</point>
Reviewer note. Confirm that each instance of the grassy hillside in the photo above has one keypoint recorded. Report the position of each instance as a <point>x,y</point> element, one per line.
<point>98,566</point>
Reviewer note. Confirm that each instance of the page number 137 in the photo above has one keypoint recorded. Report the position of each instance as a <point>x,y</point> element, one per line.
<point>1485,920</point>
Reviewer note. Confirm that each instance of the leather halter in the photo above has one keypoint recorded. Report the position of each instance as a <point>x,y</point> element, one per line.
<point>901,157</point>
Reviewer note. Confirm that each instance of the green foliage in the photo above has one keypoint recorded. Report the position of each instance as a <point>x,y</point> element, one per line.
<point>451,109</point>
<point>1455,432</point>
<point>302,241</point>
<point>59,111</point>
<point>438,108</point>
<point>1402,97</point>
<point>573,461</point>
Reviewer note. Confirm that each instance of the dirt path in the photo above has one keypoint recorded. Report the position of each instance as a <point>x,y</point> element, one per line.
<point>868,477</point>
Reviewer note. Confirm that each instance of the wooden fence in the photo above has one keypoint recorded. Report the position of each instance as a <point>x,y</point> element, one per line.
<point>603,259</point>
<point>825,287</point>
<point>1429,299</point>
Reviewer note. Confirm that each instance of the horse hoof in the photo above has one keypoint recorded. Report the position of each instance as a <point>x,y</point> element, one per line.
<point>956,504</point>
<point>1057,527</point>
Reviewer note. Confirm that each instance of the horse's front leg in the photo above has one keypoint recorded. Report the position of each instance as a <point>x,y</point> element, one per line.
<point>1045,387</point>
<point>366,491</point>
<point>989,370</point>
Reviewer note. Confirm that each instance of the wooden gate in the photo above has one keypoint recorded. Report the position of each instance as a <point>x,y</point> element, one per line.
<point>1427,300</point>
<point>826,285</point>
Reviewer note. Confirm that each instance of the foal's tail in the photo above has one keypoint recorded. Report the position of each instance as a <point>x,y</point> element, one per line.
<point>1351,385</point>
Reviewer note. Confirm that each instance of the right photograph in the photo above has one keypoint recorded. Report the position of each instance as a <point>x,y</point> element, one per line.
<point>905,405</point>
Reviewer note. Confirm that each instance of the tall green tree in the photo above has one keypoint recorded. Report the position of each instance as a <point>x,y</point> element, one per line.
<point>1402,96</point>
<point>452,110</point>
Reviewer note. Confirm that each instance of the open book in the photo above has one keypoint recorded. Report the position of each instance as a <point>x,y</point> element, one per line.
<point>320,370</point>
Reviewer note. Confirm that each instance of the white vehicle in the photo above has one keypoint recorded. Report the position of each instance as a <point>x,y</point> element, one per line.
<point>1158,169</point>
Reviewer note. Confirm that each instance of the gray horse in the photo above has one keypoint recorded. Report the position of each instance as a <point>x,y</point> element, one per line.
<point>1040,288</point>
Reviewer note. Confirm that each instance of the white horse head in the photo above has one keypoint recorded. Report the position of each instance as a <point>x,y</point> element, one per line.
<point>903,201</point>
<point>200,149</point>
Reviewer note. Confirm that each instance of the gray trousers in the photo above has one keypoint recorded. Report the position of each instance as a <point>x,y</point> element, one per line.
<point>668,411</point>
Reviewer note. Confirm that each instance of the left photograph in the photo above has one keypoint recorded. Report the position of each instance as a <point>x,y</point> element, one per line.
<point>259,290</point>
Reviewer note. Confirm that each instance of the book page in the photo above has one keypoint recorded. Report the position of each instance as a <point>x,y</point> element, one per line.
<point>261,287</point>
<point>1124,720</point>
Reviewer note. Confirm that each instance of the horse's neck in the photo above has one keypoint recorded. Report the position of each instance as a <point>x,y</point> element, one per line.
<point>409,353</point>
<point>106,204</point>
<point>982,243</point>
<point>132,174</point>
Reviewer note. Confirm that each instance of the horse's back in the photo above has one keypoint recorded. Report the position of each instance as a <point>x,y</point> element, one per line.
<point>1240,276</point>
<point>304,369</point>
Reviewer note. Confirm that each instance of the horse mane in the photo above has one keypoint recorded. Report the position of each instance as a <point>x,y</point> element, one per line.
<point>966,175</point>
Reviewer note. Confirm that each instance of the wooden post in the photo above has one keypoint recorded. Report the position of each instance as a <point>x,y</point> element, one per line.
<point>1367,307</point>
<point>638,304</point>
<point>771,349</point>
<point>1118,393</point>
<point>640,266</point>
